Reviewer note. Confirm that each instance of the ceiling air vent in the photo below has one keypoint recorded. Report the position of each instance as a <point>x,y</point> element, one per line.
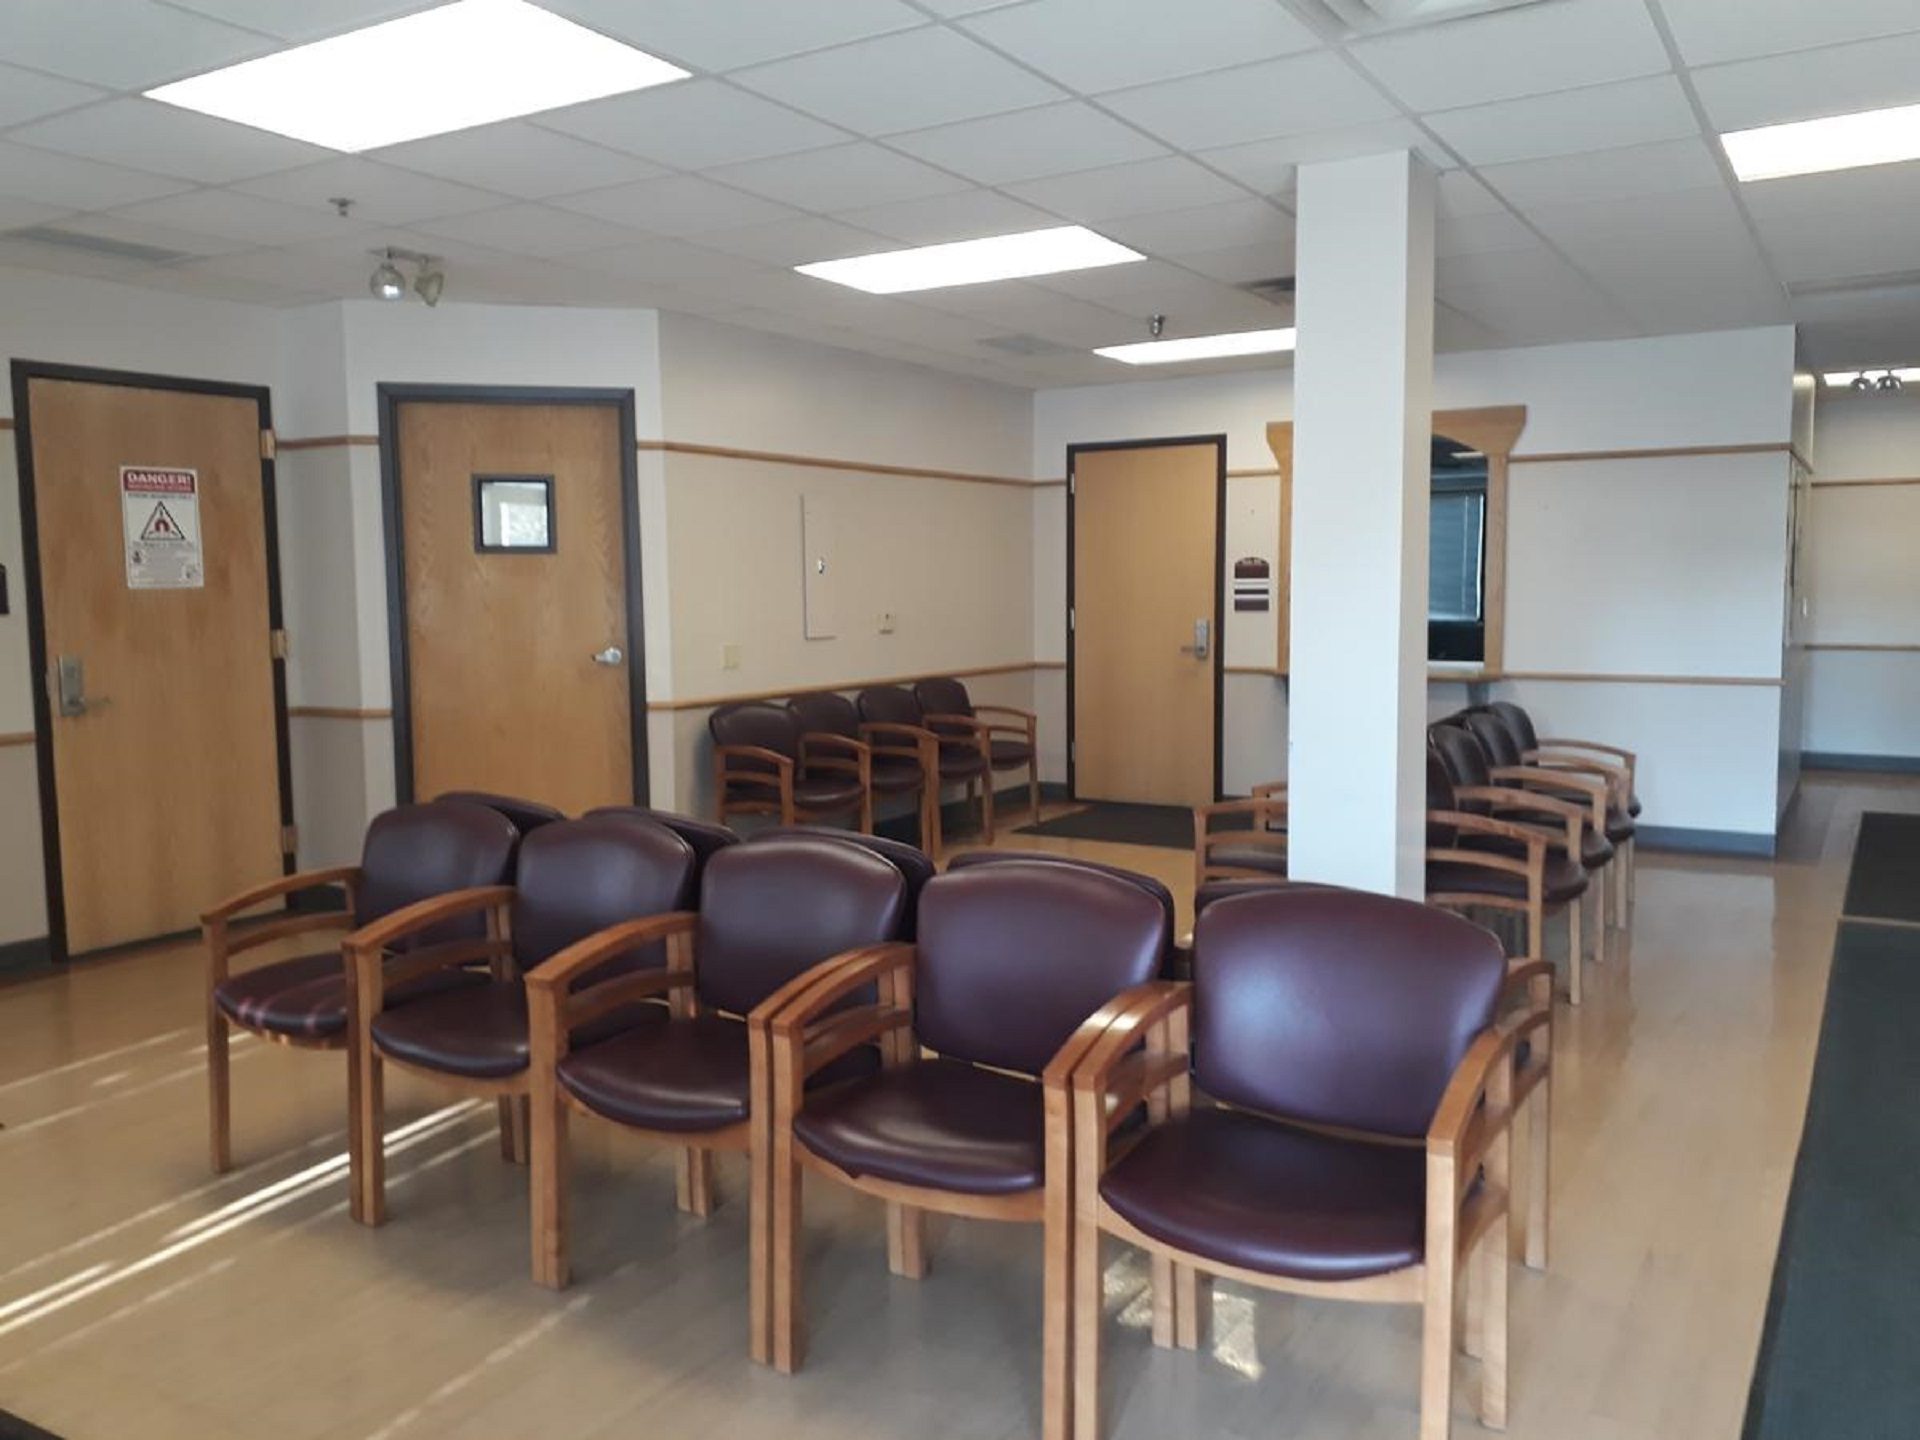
<point>1026,345</point>
<point>1353,18</point>
<point>58,239</point>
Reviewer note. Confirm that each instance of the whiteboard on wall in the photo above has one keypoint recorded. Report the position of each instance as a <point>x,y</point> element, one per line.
<point>820,566</point>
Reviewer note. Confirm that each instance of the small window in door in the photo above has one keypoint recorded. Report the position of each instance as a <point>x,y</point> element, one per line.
<point>513,514</point>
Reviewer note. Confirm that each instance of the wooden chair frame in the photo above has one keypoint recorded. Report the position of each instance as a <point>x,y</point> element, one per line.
<point>958,727</point>
<point>1267,803</point>
<point>371,969</point>
<point>922,746</point>
<point>858,762</point>
<point>1577,757</point>
<point>1467,1225</point>
<point>222,945</point>
<point>1593,795</point>
<point>802,1032</point>
<point>1025,728</point>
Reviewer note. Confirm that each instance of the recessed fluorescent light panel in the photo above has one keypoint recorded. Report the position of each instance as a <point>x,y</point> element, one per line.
<point>974,262</point>
<point>1202,347</point>
<point>465,64</point>
<point>1839,142</point>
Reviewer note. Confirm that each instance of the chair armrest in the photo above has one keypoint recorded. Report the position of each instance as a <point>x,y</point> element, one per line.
<point>1593,792</point>
<point>1564,743</point>
<point>347,875</point>
<point>1463,1126</point>
<point>856,750</point>
<point>558,973</point>
<point>782,764</point>
<point>797,1031</point>
<point>554,1007</point>
<point>423,914</point>
<point>1026,715</point>
<point>1127,1017</point>
<point>1530,836</point>
<point>1269,788</point>
<point>921,743</point>
<point>1523,976</point>
<point>805,999</point>
<point>370,969</point>
<point>938,718</point>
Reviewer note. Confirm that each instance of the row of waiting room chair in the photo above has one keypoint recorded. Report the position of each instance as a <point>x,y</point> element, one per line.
<point>821,756</point>
<point>1516,825</point>
<point>1326,1107</point>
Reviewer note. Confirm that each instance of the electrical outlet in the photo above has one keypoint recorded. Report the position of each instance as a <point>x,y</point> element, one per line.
<point>886,622</point>
<point>729,657</point>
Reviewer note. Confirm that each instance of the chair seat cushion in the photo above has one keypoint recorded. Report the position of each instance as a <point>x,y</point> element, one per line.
<point>892,776</point>
<point>679,1075</point>
<point>826,792</point>
<point>1633,806</point>
<point>961,761</point>
<point>1266,860</point>
<point>479,1032</point>
<point>1011,754</point>
<point>1247,1191</point>
<point>1564,880</point>
<point>1620,825</point>
<point>941,1124</point>
<point>305,998</point>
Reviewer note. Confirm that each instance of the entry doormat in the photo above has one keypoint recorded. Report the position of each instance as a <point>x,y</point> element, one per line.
<point>1843,1320</point>
<point>1884,883</point>
<point>1168,826</point>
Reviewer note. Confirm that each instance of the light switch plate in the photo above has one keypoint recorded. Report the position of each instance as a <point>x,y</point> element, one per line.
<point>729,657</point>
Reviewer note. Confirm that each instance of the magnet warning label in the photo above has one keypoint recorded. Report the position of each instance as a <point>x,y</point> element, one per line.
<point>160,517</point>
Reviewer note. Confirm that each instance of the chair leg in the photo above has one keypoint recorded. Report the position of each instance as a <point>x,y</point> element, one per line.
<point>1436,1344</point>
<point>513,1129</point>
<point>986,805</point>
<point>1056,1316</point>
<point>1576,950</point>
<point>1539,1173</point>
<point>1622,862</point>
<point>219,1093</point>
<point>693,1181</point>
<point>930,818</point>
<point>1192,1299</point>
<point>789,1340</point>
<point>1493,1322</point>
<point>1165,1303</point>
<point>1598,890</point>
<point>548,1141</point>
<point>1087,1308</point>
<point>866,812</point>
<point>907,1241</point>
<point>1033,788</point>
<point>367,1154</point>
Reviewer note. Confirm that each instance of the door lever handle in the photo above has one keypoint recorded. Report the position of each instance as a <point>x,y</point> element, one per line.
<point>1202,634</point>
<point>612,655</point>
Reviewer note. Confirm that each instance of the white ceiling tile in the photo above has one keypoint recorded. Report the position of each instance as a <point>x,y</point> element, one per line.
<point>1600,175</point>
<point>119,44</point>
<point>1095,45</point>
<point>1294,96</point>
<point>514,281</point>
<point>1017,308</point>
<point>518,159</point>
<point>146,135</point>
<point>1708,31</point>
<point>1269,165</point>
<point>191,278</point>
<point>1092,196</point>
<point>1864,326</point>
<point>1242,264</point>
<point>237,216</point>
<point>712,35</point>
<point>16,214</point>
<point>1808,86</point>
<point>25,95</point>
<point>380,193</point>
<point>28,174</point>
<point>953,8</point>
<point>1541,312</point>
<point>1844,225</point>
<point>901,82</point>
<point>797,242</point>
<point>678,205</point>
<point>1488,230</point>
<point>1454,330</point>
<point>67,260</point>
<point>1460,192</point>
<point>1528,51</point>
<point>694,124</point>
<point>840,177</point>
<point>303,19</point>
<point>1026,144</point>
<point>161,237</point>
<point>665,259</point>
<point>1531,260</point>
<point>1192,304</point>
<point>537,230</point>
<point>1205,227</point>
<point>964,215</point>
<point>1596,117</point>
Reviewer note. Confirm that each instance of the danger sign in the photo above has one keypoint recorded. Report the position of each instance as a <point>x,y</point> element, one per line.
<point>160,516</point>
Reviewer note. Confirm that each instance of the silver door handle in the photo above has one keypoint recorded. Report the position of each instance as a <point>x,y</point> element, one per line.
<point>1202,633</point>
<point>612,655</point>
<point>70,688</point>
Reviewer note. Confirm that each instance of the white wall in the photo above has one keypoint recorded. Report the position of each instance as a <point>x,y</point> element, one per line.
<point>1863,579</point>
<point>1670,567</point>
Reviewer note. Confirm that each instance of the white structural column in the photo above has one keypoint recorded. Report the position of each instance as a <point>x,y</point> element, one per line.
<point>1363,404</point>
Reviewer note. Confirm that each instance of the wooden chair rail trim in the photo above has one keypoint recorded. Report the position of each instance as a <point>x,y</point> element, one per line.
<point>325,442</point>
<point>1026,1205</point>
<point>18,737</point>
<point>1581,677</point>
<point>824,462</point>
<point>337,712</point>
<point>709,702</point>
<point>1860,482</point>
<point>1659,452</point>
<point>1873,648</point>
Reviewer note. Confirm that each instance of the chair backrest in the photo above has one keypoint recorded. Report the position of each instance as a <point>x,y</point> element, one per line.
<point>968,859</point>
<point>1493,735</point>
<point>755,722</point>
<point>704,836</point>
<point>1519,724</point>
<point>1440,835</point>
<point>1464,759</point>
<point>826,712</point>
<point>1335,1007</point>
<point>1012,958</point>
<point>890,705</point>
<point>581,876</point>
<point>414,852</point>
<point>916,867</point>
<point>526,815</point>
<point>1212,892</point>
<point>771,910</point>
<point>943,696</point>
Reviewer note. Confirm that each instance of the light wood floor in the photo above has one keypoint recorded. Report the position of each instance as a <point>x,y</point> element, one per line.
<point>141,1297</point>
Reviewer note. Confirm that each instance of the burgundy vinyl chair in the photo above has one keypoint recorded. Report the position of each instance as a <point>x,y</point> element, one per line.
<point>1560,750</point>
<point>526,815</point>
<point>410,853</point>
<point>1012,742</point>
<point>764,765</point>
<point>1162,896</point>
<point>894,713</point>
<point>1241,839</point>
<point>575,879</point>
<point>916,867</point>
<point>770,912</point>
<point>980,1023</point>
<point>897,765</point>
<point>703,837</point>
<point>1359,1146</point>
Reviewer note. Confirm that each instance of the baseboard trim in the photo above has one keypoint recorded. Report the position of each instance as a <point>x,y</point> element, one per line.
<point>1706,842</point>
<point>1878,764</point>
<point>25,957</point>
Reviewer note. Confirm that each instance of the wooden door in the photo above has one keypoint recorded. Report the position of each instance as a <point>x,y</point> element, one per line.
<point>1144,526</point>
<point>166,749</point>
<point>518,664</point>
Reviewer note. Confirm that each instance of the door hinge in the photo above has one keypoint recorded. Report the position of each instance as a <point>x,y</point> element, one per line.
<point>1070,620</point>
<point>269,446</point>
<point>289,839</point>
<point>1070,489</point>
<point>278,645</point>
<point>1073,750</point>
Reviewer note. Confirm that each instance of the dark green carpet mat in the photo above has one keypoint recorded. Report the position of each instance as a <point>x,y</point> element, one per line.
<point>12,1427</point>
<point>1840,1355</point>
<point>1884,883</point>
<point>1168,826</point>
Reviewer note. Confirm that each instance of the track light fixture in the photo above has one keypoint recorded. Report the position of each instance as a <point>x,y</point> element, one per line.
<point>388,283</point>
<point>1893,380</point>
